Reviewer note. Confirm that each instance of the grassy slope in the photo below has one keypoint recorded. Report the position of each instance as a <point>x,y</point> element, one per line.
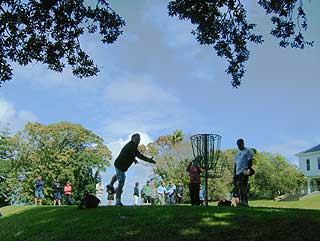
<point>164,223</point>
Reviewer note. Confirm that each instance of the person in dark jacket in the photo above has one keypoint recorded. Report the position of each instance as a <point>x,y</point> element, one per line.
<point>179,193</point>
<point>56,193</point>
<point>136,194</point>
<point>122,163</point>
<point>38,190</point>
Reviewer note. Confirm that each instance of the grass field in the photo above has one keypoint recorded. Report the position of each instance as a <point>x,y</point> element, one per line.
<point>264,220</point>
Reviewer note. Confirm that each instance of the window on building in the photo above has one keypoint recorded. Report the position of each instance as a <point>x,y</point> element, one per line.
<point>319,163</point>
<point>308,164</point>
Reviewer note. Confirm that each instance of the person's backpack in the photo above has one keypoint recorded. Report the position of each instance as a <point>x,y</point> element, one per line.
<point>89,201</point>
<point>224,202</point>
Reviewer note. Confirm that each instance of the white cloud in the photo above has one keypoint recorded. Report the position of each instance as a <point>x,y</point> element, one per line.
<point>39,75</point>
<point>290,146</point>
<point>136,91</point>
<point>177,34</point>
<point>15,119</point>
<point>140,105</point>
<point>150,122</point>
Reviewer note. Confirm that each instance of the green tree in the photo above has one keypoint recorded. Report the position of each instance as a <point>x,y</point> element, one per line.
<point>49,31</point>
<point>176,137</point>
<point>63,151</point>
<point>6,151</point>
<point>274,176</point>
<point>6,155</point>
<point>223,24</point>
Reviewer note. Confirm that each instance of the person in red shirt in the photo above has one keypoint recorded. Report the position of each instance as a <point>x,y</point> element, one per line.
<point>67,192</point>
<point>195,180</point>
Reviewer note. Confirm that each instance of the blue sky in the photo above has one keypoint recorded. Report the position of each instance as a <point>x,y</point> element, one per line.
<point>156,78</point>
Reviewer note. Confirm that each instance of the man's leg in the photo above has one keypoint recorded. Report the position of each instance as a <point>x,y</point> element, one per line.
<point>193,193</point>
<point>110,187</point>
<point>196,194</point>
<point>171,198</point>
<point>136,200</point>
<point>121,177</point>
<point>113,180</point>
<point>242,188</point>
<point>37,196</point>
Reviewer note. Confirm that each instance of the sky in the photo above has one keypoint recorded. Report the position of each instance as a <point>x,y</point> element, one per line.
<point>156,78</point>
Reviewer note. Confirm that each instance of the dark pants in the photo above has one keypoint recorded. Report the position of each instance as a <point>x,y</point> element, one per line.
<point>241,182</point>
<point>69,201</point>
<point>179,199</point>
<point>194,189</point>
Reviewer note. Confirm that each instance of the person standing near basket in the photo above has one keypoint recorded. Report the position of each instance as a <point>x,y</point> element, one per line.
<point>242,171</point>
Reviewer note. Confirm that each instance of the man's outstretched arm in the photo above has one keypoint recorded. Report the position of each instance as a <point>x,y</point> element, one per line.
<point>144,158</point>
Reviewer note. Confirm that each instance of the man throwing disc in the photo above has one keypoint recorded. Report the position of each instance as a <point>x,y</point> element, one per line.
<point>125,159</point>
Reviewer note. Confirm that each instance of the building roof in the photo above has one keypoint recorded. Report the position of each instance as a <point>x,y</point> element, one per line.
<point>313,149</point>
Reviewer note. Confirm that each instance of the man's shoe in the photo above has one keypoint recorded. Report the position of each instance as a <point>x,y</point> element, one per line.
<point>119,204</point>
<point>110,189</point>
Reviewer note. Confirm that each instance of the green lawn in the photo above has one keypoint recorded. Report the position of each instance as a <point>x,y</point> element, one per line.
<point>294,221</point>
<point>307,203</point>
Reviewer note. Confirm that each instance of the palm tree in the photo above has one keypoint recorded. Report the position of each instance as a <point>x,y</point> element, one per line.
<point>176,137</point>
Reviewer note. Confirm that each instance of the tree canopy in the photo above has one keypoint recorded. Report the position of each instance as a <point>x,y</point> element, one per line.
<point>61,151</point>
<point>49,31</point>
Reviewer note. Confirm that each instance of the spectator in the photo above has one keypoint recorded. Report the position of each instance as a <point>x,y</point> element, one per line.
<point>170,192</point>
<point>147,193</point>
<point>142,195</point>
<point>99,190</point>
<point>201,195</point>
<point>154,194</point>
<point>110,196</point>
<point>56,186</point>
<point>195,180</point>
<point>38,190</point>
<point>68,192</point>
<point>161,193</point>
<point>136,194</point>
<point>179,196</point>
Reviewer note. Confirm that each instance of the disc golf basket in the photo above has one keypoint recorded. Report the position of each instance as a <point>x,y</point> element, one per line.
<point>206,151</point>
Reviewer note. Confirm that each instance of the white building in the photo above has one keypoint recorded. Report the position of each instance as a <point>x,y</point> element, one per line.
<point>309,164</point>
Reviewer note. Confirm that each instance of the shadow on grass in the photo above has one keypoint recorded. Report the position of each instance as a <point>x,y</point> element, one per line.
<point>160,223</point>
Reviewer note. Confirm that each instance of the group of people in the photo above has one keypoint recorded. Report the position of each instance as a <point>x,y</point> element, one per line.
<point>57,189</point>
<point>163,194</point>
<point>242,171</point>
<point>149,194</point>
